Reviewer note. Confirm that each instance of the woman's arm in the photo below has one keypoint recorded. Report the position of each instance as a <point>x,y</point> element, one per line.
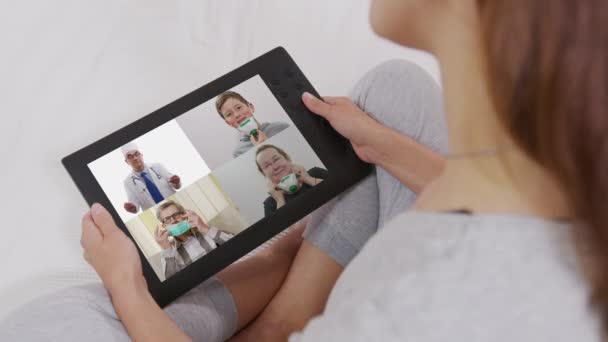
<point>413,164</point>
<point>115,259</point>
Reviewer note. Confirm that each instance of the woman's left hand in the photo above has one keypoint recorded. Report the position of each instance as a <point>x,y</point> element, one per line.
<point>111,253</point>
<point>350,121</point>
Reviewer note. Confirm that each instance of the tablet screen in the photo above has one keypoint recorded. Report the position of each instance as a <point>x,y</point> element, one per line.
<point>190,185</point>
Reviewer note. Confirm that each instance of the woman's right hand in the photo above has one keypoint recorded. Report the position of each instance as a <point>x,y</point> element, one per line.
<point>350,121</point>
<point>161,235</point>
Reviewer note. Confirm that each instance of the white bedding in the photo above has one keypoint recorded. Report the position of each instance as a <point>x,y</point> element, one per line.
<point>74,71</point>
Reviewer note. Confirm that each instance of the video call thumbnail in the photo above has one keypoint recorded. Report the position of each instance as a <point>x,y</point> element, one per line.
<point>190,185</point>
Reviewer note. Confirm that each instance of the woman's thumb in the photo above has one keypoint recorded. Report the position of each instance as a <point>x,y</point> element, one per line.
<point>316,105</point>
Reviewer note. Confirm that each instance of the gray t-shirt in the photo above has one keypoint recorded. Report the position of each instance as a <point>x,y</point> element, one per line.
<point>453,277</point>
<point>269,128</point>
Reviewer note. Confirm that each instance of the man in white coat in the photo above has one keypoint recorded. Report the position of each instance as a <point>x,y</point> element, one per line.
<point>147,184</point>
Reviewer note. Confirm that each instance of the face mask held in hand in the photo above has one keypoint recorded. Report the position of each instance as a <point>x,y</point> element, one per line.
<point>289,183</point>
<point>249,126</point>
<point>179,228</point>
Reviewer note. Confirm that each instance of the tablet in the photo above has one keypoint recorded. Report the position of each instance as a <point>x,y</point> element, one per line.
<point>206,179</point>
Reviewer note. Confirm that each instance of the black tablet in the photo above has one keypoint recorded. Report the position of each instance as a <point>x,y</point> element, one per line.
<point>211,176</point>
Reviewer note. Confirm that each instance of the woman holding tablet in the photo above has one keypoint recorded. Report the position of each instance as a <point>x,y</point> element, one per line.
<point>288,283</point>
<point>282,286</point>
<point>509,242</point>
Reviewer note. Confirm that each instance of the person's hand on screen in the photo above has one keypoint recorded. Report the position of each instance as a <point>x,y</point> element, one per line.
<point>161,235</point>
<point>276,193</point>
<point>196,221</point>
<point>259,138</point>
<point>303,175</point>
<point>130,207</point>
<point>349,120</point>
<point>111,253</point>
<point>175,181</point>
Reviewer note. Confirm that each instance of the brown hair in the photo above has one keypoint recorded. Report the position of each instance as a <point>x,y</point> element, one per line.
<point>223,97</point>
<point>265,147</point>
<point>548,76</point>
<point>167,205</point>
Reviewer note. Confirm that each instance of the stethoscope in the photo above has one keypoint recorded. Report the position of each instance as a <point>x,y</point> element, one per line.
<point>133,178</point>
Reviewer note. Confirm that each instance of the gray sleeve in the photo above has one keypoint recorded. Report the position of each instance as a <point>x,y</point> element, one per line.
<point>400,95</point>
<point>241,148</point>
<point>275,128</point>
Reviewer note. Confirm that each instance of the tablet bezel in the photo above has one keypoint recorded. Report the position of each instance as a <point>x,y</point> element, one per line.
<point>286,82</point>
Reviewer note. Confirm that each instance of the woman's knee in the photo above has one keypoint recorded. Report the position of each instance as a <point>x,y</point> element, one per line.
<point>401,95</point>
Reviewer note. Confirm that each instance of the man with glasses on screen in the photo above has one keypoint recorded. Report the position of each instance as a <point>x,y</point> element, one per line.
<point>192,237</point>
<point>147,185</point>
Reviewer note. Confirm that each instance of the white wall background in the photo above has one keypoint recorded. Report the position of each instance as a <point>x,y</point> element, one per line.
<point>212,137</point>
<point>167,145</point>
<point>75,71</point>
<point>246,186</point>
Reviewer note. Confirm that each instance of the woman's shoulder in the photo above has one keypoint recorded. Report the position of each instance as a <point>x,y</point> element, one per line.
<point>439,236</point>
<point>479,273</point>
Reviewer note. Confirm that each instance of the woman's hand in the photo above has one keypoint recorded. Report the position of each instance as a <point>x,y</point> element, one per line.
<point>114,256</point>
<point>350,121</point>
<point>111,253</point>
<point>412,163</point>
<point>196,221</point>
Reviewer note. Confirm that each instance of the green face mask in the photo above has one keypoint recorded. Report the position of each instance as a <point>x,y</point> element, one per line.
<point>179,228</point>
<point>289,183</point>
<point>249,127</point>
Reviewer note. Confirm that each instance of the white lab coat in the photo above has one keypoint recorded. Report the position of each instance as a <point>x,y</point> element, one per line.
<point>135,186</point>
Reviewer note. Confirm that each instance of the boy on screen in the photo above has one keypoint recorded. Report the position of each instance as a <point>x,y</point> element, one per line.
<point>237,112</point>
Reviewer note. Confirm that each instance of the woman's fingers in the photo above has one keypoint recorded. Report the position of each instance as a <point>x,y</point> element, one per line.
<point>91,236</point>
<point>316,106</point>
<point>336,100</point>
<point>103,219</point>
